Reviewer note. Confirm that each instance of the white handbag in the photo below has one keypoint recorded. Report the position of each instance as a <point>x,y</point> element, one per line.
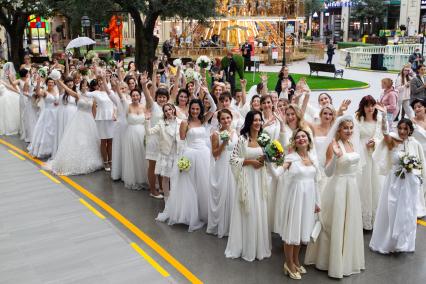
<point>316,230</point>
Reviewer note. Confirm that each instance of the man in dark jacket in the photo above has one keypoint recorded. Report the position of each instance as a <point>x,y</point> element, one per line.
<point>330,52</point>
<point>246,52</point>
<point>230,71</point>
<point>416,59</point>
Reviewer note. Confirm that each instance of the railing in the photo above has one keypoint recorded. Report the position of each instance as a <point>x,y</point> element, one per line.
<point>394,56</point>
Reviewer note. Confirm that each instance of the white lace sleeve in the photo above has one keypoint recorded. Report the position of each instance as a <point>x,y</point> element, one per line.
<point>237,161</point>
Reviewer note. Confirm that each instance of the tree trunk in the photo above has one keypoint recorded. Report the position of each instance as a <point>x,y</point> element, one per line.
<point>17,45</point>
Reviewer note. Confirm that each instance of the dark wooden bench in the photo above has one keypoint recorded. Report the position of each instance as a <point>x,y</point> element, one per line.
<point>322,67</point>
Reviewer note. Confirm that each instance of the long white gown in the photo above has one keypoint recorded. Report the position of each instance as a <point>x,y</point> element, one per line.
<point>153,140</point>
<point>78,153</point>
<point>134,164</point>
<point>188,200</point>
<point>45,130</point>
<point>9,111</point>
<point>420,135</point>
<point>298,212</point>
<point>395,225</point>
<point>321,148</point>
<point>340,245</point>
<point>66,111</point>
<point>119,130</point>
<point>370,182</point>
<point>249,235</point>
<point>222,191</point>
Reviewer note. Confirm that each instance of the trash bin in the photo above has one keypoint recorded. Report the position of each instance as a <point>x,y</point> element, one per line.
<point>377,62</point>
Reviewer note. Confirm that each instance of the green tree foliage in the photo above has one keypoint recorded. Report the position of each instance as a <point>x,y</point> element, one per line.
<point>371,11</point>
<point>312,6</point>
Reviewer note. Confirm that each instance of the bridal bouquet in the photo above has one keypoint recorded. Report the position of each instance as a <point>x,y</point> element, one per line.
<point>55,74</point>
<point>204,62</point>
<point>263,139</point>
<point>191,75</point>
<point>91,55</point>
<point>184,164</point>
<point>274,152</point>
<point>177,62</point>
<point>43,71</point>
<point>224,135</point>
<point>408,164</point>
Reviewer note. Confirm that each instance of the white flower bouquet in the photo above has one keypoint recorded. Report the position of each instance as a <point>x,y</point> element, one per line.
<point>408,164</point>
<point>191,75</point>
<point>177,62</point>
<point>184,164</point>
<point>263,139</point>
<point>204,62</point>
<point>55,74</point>
<point>91,55</point>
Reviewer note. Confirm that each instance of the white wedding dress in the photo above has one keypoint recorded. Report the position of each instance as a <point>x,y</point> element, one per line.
<point>249,235</point>
<point>135,165</point>
<point>420,135</point>
<point>45,130</point>
<point>370,182</point>
<point>340,245</point>
<point>222,191</point>
<point>9,111</point>
<point>78,153</point>
<point>395,225</point>
<point>66,111</point>
<point>119,130</point>
<point>188,200</point>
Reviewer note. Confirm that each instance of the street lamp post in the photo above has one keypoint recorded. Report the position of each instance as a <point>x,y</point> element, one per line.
<point>284,40</point>
<point>85,24</point>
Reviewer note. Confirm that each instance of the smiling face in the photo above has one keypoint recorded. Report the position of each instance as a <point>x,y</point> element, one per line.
<point>161,100</point>
<point>290,115</point>
<point>257,123</point>
<point>346,130</point>
<point>70,84</point>
<point>301,140</point>
<point>182,99</point>
<point>195,110</point>
<point>403,131</point>
<point>282,106</point>
<point>266,104</point>
<point>255,104</point>
<point>136,97</point>
<point>419,108</point>
<point>191,88</point>
<point>226,103</point>
<point>169,112</point>
<point>324,100</point>
<point>225,120</point>
<point>369,109</point>
<point>132,84</point>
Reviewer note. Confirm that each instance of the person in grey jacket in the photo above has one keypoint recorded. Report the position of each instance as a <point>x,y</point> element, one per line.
<point>417,84</point>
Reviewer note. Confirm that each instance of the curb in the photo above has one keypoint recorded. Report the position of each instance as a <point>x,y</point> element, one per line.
<point>343,89</point>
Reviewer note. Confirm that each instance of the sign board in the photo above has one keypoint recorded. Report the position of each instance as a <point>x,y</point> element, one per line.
<point>422,4</point>
<point>275,53</point>
<point>289,29</point>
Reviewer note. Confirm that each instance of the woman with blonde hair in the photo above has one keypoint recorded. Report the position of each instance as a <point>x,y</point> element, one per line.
<point>389,99</point>
<point>402,85</point>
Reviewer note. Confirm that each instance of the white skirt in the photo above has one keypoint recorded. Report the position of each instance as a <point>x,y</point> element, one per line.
<point>164,165</point>
<point>105,128</point>
<point>152,150</point>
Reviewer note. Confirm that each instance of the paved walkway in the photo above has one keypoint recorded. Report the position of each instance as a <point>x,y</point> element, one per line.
<point>49,235</point>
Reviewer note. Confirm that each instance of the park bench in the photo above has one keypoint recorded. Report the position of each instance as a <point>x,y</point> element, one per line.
<point>322,67</point>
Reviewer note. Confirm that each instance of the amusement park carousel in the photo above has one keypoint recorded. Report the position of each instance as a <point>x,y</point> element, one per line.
<point>262,23</point>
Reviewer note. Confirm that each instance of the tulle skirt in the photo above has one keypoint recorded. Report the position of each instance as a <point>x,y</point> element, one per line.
<point>65,115</point>
<point>9,113</point>
<point>44,133</point>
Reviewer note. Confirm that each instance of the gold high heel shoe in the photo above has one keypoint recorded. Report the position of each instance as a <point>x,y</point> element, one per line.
<point>292,275</point>
<point>301,269</point>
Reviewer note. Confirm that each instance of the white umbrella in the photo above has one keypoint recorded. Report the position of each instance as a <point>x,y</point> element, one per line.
<point>80,41</point>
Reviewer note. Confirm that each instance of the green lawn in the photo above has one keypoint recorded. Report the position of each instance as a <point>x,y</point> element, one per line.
<point>314,82</point>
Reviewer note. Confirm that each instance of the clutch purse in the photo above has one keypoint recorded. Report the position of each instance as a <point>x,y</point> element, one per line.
<point>316,230</point>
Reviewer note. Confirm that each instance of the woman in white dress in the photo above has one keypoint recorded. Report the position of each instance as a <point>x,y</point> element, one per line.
<point>222,180</point>
<point>395,225</point>
<point>369,123</point>
<point>41,145</point>
<point>120,97</point>
<point>77,139</point>
<point>419,122</point>
<point>9,110</point>
<point>302,200</point>
<point>105,118</point>
<point>66,111</point>
<point>169,144</point>
<point>340,245</point>
<point>188,201</point>
<point>134,165</point>
<point>249,235</point>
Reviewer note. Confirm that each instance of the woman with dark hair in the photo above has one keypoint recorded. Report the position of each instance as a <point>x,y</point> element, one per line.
<point>222,180</point>
<point>168,134</point>
<point>395,225</point>
<point>249,235</point>
<point>285,82</point>
<point>188,201</point>
<point>131,69</point>
<point>78,139</point>
<point>105,117</point>
<point>253,104</point>
<point>181,103</point>
<point>369,123</point>
<point>66,111</point>
<point>419,123</point>
<point>41,145</point>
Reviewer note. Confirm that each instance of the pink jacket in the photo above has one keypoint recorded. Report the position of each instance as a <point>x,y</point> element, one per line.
<point>390,100</point>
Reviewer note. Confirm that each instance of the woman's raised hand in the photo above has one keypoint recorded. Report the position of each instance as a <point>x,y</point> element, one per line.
<point>336,148</point>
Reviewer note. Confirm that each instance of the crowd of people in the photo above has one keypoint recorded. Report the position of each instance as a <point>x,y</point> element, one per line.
<point>342,172</point>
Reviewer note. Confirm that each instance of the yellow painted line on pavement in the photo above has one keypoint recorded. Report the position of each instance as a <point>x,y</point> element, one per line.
<point>91,208</point>
<point>120,218</point>
<point>16,155</point>
<point>150,260</point>
<point>421,222</point>
<point>49,176</point>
